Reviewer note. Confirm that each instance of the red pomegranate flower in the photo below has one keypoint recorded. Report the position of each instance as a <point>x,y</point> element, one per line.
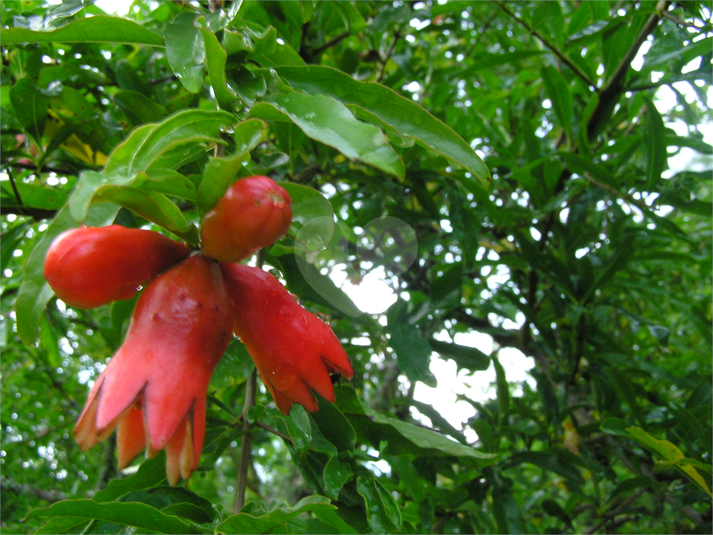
<point>293,350</point>
<point>154,389</point>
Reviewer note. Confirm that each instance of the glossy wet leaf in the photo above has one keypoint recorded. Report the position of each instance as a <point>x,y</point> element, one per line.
<point>405,116</point>
<point>327,120</point>
<point>185,50</point>
<point>97,29</point>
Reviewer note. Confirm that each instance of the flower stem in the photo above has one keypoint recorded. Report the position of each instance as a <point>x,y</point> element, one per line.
<point>246,440</point>
<point>245,444</point>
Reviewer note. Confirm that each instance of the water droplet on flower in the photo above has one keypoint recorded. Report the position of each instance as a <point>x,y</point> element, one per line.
<point>323,317</point>
<point>277,274</point>
<point>296,298</point>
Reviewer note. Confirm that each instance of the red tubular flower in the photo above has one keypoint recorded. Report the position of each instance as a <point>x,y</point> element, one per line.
<point>293,350</point>
<point>154,388</point>
<point>254,213</point>
<point>91,266</point>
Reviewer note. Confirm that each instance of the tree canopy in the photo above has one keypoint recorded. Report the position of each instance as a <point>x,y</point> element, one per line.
<point>530,182</point>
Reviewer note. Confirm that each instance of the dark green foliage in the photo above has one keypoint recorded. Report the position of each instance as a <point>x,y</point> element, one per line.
<point>552,162</point>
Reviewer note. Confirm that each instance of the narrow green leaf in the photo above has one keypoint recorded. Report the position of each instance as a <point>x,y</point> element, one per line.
<point>670,453</point>
<point>186,51</point>
<point>402,114</point>
<point>215,60</point>
<point>30,107</point>
<point>552,461</point>
<point>327,120</point>
<point>149,145</point>
<point>557,91</point>
<point>49,343</point>
<point>134,514</point>
<point>464,356</point>
<point>218,176</point>
<point>654,143</point>
<point>502,388</point>
<point>98,29</point>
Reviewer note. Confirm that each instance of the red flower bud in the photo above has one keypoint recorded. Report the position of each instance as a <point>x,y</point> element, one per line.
<point>254,213</point>
<point>154,388</point>
<point>293,350</point>
<point>91,266</point>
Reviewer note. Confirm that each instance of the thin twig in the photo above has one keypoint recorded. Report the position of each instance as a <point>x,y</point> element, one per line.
<point>329,44</point>
<point>564,59</point>
<point>246,440</point>
<point>615,512</point>
<point>245,444</point>
<point>274,431</point>
<point>397,35</point>
<point>14,187</point>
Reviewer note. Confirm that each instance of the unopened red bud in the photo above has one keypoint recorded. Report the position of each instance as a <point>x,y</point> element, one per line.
<point>91,266</point>
<point>254,213</point>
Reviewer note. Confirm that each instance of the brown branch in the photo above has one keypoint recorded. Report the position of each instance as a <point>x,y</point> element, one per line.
<point>564,59</point>
<point>610,94</point>
<point>47,495</point>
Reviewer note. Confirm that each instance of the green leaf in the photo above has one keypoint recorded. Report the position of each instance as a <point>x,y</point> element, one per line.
<point>312,218</point>
<point>327,120</point>
<point>446,289</point>
<point>667,451</point>
<point>557,91</point>
<point>221,173</point>
<point>654,143</point>
<point>670,454</point>
<point>139,108</point>
<point>156,143</point>
<point>154,206</point>
<point>413,351</point>
<point>97,29</point>
<point>49,343</point>
<point>215,60</point>
<point>186,51</point>
<point>137,515</point>
<point>553,461</point>
<point>30,107</point>
<point>382,510</point>
<point>334,425</point>
<point>464,356</point>
<point>246,523</point>
<point>336,474</point>
<point>405,116</point>
<point>35,293</point>
<point>502,388</point>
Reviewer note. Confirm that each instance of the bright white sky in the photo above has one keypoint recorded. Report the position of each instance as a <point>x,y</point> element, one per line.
<point>373,296</point>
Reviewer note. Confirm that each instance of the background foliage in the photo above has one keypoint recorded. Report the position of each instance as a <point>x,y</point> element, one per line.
<point>587,253</point>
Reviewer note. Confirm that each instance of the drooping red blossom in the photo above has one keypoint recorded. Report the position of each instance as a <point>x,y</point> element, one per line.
<point>91,266</point>
<point>254,213</point>
<point>154,388</point>
<point>294,350</point>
